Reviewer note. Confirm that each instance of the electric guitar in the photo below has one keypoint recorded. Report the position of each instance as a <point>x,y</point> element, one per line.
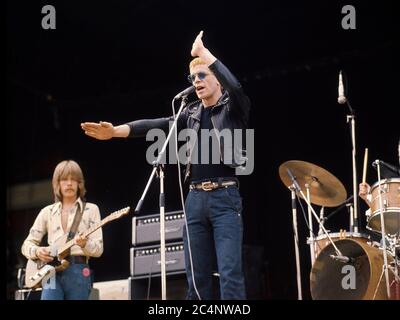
<point>37,270</point>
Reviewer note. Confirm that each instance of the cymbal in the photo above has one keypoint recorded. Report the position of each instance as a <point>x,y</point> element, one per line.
<point>325,189</point>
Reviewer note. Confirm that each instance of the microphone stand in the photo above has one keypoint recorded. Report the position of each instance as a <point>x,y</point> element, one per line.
<point>159,170</point>
<point>351,119</point>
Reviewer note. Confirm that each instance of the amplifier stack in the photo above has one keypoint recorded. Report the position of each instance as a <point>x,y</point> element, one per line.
<point>145,258</point>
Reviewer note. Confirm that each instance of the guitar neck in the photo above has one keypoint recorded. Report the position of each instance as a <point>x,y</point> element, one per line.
<point>111,217</point>
<point>86,233</point>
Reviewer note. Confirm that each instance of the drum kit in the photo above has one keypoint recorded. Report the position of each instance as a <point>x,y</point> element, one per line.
<point>348,264</point>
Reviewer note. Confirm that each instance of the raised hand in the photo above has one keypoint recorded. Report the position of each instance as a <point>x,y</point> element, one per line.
<point>198,46</point>
<point>199,50</point>
<point>101,131</point>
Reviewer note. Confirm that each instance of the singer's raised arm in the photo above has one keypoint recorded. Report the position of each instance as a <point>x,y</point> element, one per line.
<point>239,102</point>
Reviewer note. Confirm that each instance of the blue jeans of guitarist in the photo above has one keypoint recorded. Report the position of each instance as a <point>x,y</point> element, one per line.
<point>215,230</point>
<point>74,283</point>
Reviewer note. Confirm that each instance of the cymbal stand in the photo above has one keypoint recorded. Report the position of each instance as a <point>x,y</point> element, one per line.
<point>351,210</point>
<point>310,225</point>
<point>298,189</point>
<point>385,267</point>
<point>395,271</point>
<point>296,241</point>
<point>322,219</point>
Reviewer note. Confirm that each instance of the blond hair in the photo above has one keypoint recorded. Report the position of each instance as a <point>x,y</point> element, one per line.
<point>195,62</point>
<point>62,171</point>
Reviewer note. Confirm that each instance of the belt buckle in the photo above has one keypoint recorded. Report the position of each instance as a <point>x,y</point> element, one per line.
<point>207,186</point>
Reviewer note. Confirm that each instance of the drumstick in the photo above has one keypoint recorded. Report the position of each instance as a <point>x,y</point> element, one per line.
<point>365,165</point>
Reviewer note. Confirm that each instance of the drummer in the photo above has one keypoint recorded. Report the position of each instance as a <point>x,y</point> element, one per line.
<point>365,188</point>
<point>365,193</point>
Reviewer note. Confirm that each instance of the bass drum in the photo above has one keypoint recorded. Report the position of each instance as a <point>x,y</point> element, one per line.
<point>322,241</point>
<point>334,280</point>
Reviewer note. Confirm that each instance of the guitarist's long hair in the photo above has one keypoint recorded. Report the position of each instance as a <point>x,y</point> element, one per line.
<point>62,171</point>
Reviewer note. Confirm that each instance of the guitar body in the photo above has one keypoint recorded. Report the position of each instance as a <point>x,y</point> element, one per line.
<point>36,270</point>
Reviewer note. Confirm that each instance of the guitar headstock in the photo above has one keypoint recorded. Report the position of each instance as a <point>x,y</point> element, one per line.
<point>118,214</point>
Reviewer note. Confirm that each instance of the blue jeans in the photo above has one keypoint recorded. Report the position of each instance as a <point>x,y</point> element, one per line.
<point>215,231</point>
<point>74,283</point>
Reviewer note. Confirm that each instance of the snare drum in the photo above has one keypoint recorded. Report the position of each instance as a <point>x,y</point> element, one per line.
<point>391,206</point>
<point>322,241</point>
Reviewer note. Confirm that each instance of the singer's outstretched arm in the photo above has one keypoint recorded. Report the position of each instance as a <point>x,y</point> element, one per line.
<point>105,130</point>
<point>239,103</point>
<point>138,128</point>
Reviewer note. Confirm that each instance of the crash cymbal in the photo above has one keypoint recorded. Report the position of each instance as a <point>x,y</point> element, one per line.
<point>325,189</point>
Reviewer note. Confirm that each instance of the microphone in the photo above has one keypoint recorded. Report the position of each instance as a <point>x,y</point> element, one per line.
<point>185,92</point>
<point>341,97</point>
<point>387,166</point>
<point>343,259</point>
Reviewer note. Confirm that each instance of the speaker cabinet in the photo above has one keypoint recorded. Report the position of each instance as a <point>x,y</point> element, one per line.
<point>150,288</point>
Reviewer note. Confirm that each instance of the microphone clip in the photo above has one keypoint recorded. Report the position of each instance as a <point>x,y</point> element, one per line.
<point>341,258</point>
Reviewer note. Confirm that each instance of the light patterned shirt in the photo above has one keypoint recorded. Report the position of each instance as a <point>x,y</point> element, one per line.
<point>49,221</point>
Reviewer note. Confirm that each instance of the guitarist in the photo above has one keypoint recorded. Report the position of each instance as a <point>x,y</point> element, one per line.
<point>56,220</point>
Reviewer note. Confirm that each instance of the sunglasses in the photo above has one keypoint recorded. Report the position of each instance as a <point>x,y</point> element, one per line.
<point>200,75</point>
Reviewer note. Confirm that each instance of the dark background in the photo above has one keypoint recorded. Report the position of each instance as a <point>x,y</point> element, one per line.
<point>124,60</point>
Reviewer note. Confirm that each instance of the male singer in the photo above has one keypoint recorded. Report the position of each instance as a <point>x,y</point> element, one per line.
<point>213,205</point>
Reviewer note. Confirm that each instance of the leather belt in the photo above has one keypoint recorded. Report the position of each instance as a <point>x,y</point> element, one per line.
<point>209,185</point>
<point>78,259</point>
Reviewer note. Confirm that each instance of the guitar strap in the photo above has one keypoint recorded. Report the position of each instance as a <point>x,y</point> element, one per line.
<point>75,223</point>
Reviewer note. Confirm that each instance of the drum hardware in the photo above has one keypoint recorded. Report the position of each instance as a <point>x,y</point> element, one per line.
<point>324,189</point>
<point>351,210</point>
<point>296,241</point>
<point>323,197</point>
<point>322,219</point>
<point>310,225</point>
<point>347,203</point>
<point>385,267</point>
